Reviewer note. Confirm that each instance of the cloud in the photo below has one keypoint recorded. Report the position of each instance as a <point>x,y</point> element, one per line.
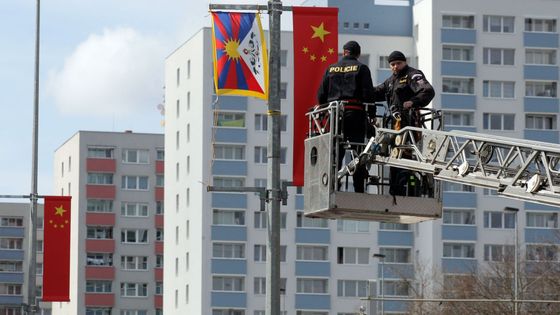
<point>117,72</point>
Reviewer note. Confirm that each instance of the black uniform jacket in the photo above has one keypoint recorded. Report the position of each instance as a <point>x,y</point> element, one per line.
<point>408,85</point>
<point>347,79</point>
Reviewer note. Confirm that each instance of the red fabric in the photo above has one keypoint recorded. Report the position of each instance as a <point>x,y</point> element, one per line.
<point>56,258</point>
<point>314,51</point>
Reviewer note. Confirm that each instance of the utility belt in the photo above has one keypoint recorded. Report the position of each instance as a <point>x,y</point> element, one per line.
<point>354,104</point>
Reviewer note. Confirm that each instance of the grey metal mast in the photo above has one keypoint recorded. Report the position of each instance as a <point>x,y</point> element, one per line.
<point>31,272</point>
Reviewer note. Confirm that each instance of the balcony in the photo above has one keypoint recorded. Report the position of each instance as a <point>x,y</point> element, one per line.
<point>158,274</point>
<point>100,246</point>
<point>158,301</point>
<point>100,191</point>
<point>160,167</point>
<point>101,165</point>
<point>100,299</point>
<point>100,273</point>
<point>97,218</point>
<point>158,245</point>
<point>158,221</point>
<point>159,193</point>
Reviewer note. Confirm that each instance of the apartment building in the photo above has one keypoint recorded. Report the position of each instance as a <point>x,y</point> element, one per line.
<point>116,183</point>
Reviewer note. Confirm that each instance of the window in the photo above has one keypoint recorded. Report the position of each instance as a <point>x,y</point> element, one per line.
<point>498,56</point>
<point>99,259</point>
<point>283,93</point>
<point>134,236</point>
<point>188,100</point>
<point>40,223</point>
<point>100,153</point>
<point>458,53</point>
<point>305,222</point>
<point>134,262</point>
<point>352,226</point>
<point>228,311</point>
<point>134,312</point>
<point>12,222</point>
<point>498,89</point>
<point>98,311</point>
<point>160,180</point>
<point>498,24</point>
<point>542,252</point>
<point>353,255</point>
<point>396,288</point>
<point>283,58</point>
<point>456,187</point>
<point>540,25</point>
<point>228,217</point>
<point>366,26</point>
<point>356,25</point>
<point>11,266</point>
<point>96,286</point>
<point>310,252</point>
<point>312,285</point>
<point>542,220</point>
<point>188,77</point>
<point>134,209</point>
<point>458,250</point>
<point>396,255</point>
<point>159,261</point>
<point>458,85</point>
<point>260,253</point>
<point>229,181</point>
<point>540,88</point>
<point>496,121</point>
<point>129,289</point>
<point>228,119</point>
<point>160,154</point>
<point>99,205</point>
<point>10,289</point>
<point>134,182</point>
<point>225,283</point>
<point>136,156</point>
<point>159,288</point>
<point>178,75</point>
<point>100,232</point>
<point>346,24</point>
<point>261,219</point>
<point>229,152</point>
<point>40,246</point>
<point>159,207</point>
<point>262,157</point>
<point>499,220</point>
<point>452,118</point>
<point>498,252</point>
<point>177,139</point>
<point>100,178</point>
<point>394,226</point>
<point>540,121</point>
<point>261,122</point>
<point>459,216</point>
<point>228,250</point>
<point>540,56</point>
<point>458,21</point>
<point>352,288</point>
<point>259,286</point>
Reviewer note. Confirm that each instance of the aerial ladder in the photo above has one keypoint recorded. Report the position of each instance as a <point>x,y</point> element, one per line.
<point>515,168</point>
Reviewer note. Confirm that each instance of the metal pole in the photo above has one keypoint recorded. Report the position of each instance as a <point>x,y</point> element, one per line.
<point>31,288</point>
<point>273,165</point>
<point>515,262</point>
<point>382,288</point>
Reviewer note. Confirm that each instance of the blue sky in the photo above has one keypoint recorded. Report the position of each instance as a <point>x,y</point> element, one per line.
<point>101,68</point>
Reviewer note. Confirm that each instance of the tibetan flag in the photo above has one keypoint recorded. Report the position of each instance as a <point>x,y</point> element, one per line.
<point>240,56</point>
<point>56,259</point>
<point>315,48</point>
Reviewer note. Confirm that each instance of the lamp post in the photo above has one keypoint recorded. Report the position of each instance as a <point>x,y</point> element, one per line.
<point>381,258</point>
<point>515,271</point>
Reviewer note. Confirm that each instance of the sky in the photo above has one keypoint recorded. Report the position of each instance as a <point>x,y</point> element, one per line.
<point>101,68</point>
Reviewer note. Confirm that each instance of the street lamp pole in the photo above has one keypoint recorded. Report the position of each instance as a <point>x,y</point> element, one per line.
<point>515,271</point>
<point>381,258</point>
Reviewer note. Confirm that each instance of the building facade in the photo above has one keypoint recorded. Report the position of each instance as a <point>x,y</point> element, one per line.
<point>495,71</point>
<point>116,183</point>
<point>14,260</point>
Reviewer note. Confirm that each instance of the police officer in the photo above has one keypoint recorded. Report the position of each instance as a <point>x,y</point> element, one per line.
<point>350,80</point>
<point>405,91</point>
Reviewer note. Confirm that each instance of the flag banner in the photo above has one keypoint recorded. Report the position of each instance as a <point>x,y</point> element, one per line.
<point>56,252</point>
<point>240,55</point>
<point>315,48</point>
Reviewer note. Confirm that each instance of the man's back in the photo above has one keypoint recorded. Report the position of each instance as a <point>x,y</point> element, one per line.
<point>347,79</point>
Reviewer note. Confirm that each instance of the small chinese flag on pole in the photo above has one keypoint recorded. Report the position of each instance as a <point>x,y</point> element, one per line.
<point>315,48</point>
<point>56,259</point>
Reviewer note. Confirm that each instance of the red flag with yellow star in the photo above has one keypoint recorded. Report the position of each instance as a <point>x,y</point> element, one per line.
<point>56,252</point>
<point>315,48</point>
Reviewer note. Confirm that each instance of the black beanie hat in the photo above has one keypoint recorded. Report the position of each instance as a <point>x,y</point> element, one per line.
<point>396,55</point>
<point>353,48</point>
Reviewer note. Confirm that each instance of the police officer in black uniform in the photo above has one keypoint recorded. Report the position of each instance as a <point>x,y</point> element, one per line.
<point>350,80</point>
<point>405,91</point>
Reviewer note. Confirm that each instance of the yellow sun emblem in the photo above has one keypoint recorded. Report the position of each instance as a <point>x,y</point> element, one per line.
<point>232,46</point>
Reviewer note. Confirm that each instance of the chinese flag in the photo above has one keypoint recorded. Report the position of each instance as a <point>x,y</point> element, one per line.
<point>56,258</point>
<point>315,48</point>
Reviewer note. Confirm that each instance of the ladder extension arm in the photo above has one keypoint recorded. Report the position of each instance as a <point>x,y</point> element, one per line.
<point>515,168</point>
